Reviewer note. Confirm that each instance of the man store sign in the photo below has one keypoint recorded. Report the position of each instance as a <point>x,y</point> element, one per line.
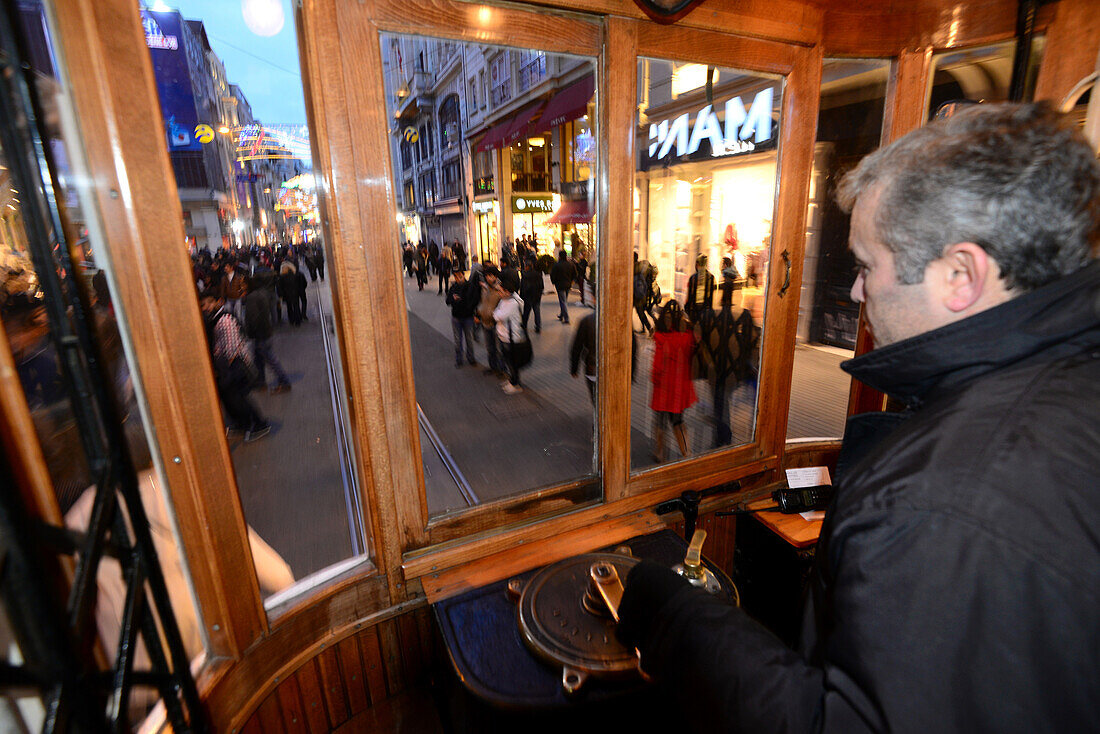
<point>739,131</point>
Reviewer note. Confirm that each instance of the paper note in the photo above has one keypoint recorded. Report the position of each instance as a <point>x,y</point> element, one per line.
<point>813,515</point>
<point>810,476</point>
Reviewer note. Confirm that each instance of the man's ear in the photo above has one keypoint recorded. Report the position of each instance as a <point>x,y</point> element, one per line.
<point>965,266</point>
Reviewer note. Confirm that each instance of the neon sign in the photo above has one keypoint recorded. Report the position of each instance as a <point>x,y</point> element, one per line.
<point>685,139</point>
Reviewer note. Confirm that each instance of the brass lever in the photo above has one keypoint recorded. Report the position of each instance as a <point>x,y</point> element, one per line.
<point>606,578</point>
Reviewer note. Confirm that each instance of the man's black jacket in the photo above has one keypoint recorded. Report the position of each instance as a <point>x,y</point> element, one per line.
<point>957,581</point>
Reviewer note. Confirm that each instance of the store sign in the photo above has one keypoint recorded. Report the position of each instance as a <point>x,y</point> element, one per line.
<point>742,132</point>
<point>155,37</point>
<point>531,204</point>
<point>482,207</point>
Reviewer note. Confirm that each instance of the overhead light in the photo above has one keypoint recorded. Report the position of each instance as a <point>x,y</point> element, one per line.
<point>536,142</point>
<point>224,130</point>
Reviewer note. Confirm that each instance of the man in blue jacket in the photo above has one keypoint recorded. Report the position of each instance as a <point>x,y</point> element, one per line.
<point>957,580</point>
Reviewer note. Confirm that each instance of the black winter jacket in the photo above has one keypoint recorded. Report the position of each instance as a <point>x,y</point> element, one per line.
<point>956,586</point>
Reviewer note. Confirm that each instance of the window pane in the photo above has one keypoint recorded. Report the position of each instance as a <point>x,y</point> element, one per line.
<point>515,194</point>
<point>234,116</point>
<point>40,280</point>
<point>982,74</point>
<point>849,126</point>
<point>704,199</point>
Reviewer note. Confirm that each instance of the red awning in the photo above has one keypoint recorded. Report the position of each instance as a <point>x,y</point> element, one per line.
<point>521,126</point>
<point>568,104</point>
<point>493,137</point>
<point>572,212</point>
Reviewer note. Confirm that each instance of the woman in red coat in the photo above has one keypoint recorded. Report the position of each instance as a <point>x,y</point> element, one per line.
<point>674,344</point>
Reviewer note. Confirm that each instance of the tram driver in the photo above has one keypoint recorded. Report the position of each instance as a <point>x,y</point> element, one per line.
<point>956,584</point>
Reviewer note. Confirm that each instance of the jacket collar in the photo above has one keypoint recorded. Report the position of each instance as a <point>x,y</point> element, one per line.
<point>946,358</point>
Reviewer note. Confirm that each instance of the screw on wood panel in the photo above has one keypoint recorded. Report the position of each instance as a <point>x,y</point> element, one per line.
<point>216,628</point>
<point>114,193</point>
<point>177,459</point>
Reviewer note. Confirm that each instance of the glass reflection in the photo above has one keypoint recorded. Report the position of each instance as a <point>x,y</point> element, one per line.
<point>703,205</point>
<point>494,154</point>
<point>849,126</point>
<point>981,74</point>
<point>235,125</point>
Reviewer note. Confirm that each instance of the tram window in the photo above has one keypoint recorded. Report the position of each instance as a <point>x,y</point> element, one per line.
<point>704,199</point>
<point>522,197</point>
<point>981,74</point>
<point>235,123</point>
<point>849,126</point>
<point>41,277</point>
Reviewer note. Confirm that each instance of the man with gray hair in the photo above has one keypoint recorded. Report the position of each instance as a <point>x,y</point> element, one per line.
<point>957,580</point>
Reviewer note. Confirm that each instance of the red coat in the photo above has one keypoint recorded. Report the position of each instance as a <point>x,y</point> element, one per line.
<point>671,374</point>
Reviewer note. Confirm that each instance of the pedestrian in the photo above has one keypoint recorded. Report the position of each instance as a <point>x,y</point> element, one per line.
<point>700,289</point>
<point>463,297</point>
<point>459,253</point>
<point>234,368</point>
<point>584,346</point>
<point>641,294</point>
<point>421,265</point>
<point>258,328</point>
<point>288,289</point>
<point>581,276</point>
<point>232,287</point>
<point>530,289</point>
<point>433,258</point>
<point>562,275</point>
<point>302,285</point>
<point>445,265</point>
<point>407,259</point>
<point>490,297</point>
<point>673,392</point>
<point>307,256</point>
<point>319,261</point>
<point>514,341</point>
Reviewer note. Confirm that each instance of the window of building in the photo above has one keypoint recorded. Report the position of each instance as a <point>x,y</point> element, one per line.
<point>530,163</point>
<point>406,153</point>
<point>483,172</point>
<point>450,129</point>
<point>451,183</point>
<point>500,71</point>
<point>532,69</point>
<point>427,189</point>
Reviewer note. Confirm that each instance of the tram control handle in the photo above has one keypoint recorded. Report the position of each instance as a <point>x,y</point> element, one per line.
<point>688,504</point>
<point>789,501</point>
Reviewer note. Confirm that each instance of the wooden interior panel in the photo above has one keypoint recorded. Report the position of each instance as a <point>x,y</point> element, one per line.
<point>290,703</point>
<point>351,667</point>
<point>333,686</point>
<point>343,686</point>
<point>308,681</point>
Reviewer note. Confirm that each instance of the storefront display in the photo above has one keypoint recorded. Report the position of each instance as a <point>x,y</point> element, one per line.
<point>486,234</point>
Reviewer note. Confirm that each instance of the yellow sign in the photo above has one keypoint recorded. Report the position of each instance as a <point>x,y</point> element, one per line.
<point>411,135</point>
<point>204,133</point>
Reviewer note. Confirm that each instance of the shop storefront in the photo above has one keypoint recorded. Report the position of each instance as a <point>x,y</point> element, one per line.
<point>707,188</point>
<point>531,215</point>
<point>410,227</point>
<point>485,223</point>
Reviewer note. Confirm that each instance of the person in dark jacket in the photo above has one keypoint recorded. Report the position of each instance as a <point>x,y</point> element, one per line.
<point>957,578</point>
<point>288,290</point>
<point>463,297</point>
<point>530,290</point>
<point>700,290</point>
<point>562,275</point>
<point>584,346</point>
<point>258,328</point>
